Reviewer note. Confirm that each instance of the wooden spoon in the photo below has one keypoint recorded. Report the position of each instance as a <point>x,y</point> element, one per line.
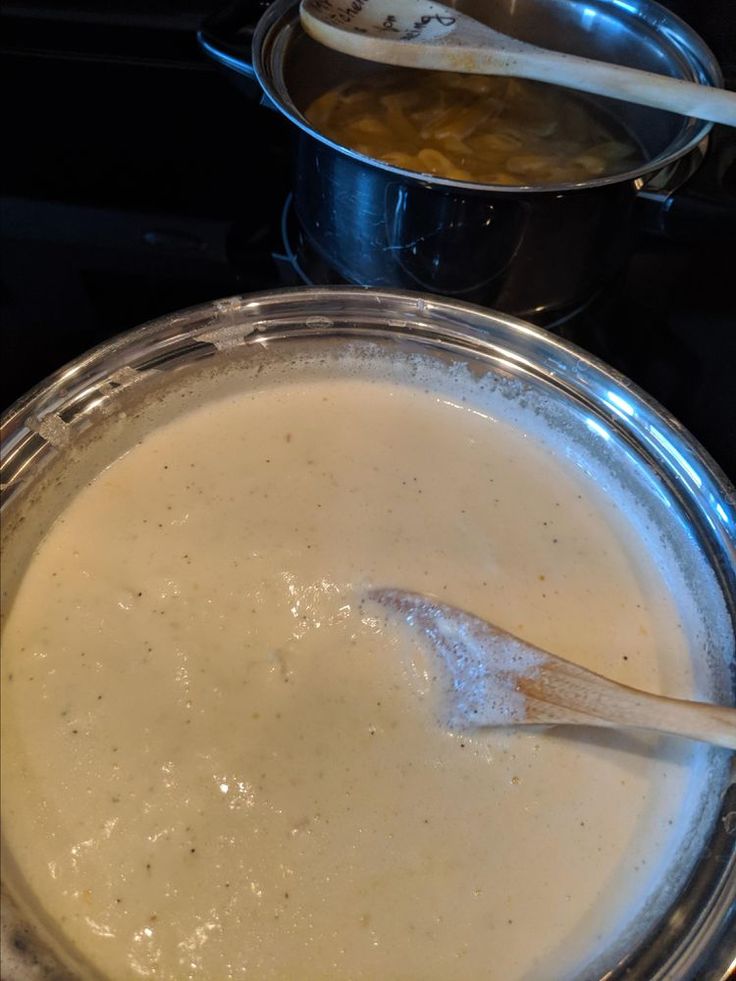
<point>495,679</point>
<point>425,34</point>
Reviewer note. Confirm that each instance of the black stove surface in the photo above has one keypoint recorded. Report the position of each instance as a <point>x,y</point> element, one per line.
<point>137,181</point>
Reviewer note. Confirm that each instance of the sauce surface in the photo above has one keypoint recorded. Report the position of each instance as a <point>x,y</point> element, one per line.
<point>472,128</point>
<point>219,762</point>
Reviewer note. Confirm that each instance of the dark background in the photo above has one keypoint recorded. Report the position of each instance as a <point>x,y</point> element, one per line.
<point>137,180</point>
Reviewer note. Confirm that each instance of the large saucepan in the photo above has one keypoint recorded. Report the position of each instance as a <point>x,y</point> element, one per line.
<point>686,498</point>
<point>539,252</point>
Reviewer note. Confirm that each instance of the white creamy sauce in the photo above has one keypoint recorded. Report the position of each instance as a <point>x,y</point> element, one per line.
<point>220,763</point>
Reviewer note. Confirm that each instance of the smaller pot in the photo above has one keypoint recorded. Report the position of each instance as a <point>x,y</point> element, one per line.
<point>541,252</point>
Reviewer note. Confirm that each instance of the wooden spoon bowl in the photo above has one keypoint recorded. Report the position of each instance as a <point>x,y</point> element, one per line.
<point>492,678</point>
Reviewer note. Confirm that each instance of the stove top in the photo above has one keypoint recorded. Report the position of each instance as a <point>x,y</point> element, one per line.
<point>137,181</point>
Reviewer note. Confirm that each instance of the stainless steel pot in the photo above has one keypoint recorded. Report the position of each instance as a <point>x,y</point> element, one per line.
<point>43,433</point>
<point>539,252</point>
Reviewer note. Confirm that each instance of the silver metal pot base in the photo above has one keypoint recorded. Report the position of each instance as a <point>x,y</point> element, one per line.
<point>299,263</point>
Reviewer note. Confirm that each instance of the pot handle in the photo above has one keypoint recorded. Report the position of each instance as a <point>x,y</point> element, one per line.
<point>226,35</point>
<point>702,209</point>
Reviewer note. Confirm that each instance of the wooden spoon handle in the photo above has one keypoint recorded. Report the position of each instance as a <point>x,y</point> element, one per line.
<point>629,84</point>
<point>566,692</point>
<point>709,723</point>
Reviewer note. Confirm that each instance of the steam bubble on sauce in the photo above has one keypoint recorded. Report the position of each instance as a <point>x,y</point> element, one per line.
<point>471,687</point>
<point>217,762</point>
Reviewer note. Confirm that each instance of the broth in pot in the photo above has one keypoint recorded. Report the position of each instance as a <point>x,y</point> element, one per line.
<point>473,128</point>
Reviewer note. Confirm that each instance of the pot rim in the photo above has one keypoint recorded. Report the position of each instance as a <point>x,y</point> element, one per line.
<point>628,408</point>
<point>283,15</point>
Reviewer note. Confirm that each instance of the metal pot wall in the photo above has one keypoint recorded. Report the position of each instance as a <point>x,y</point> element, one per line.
<point>539,252</point>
